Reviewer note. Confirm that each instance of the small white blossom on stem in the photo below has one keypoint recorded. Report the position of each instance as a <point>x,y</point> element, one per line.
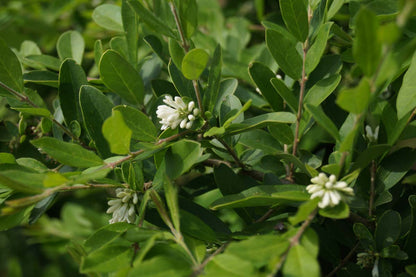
<point>122,208</point>
<point>371,136</point>
<point>329,190</point>
<point>176,113</point>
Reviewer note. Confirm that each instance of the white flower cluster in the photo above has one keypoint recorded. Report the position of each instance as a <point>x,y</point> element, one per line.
<point>329,190</point>
<point>123,207</point>
<point>176,113</point>
<point>371,136</point>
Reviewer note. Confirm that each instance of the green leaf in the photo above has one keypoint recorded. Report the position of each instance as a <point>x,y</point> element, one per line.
<point>188,12</point>
<point>295,16</point>
<point>214,79</point>
<point>393,252</point>
<point>106,235</point>
<point>162,266</point>
<point>117,133</point>
<point>310,241</point>
<point>285,93</point>
<point>315,52</point>
<point>196,227</point>
<point>282,46</point>
<point>323,120</point>
<point>139,123</point>
<point>130,26</point>
<point>261,121</point>
<point>369,154</point>
<point>411,269</point>
<point>364,235</point>
<point>340,211</point>
<point>388,229</point>
<point>7,158</point>
<point>71,45</point>
<point>71,78</point>
<point>151,20</point>
<point>321,90</point>
<point>366,47</point>
<point>300,263</point>
<point>262,249</point>
<point>22,181</point>
<point>261,76</point>
<point>227,88</point>
<point>194,63</point>
<point>304,211</point>
<point>67,153</point>
<point>263,196</point>
<point>108,16</point>
<point>42,77</point>
<point>34,111</point>
<point>10,70</point>
<point>410,244</point>
<point>107,259</point>
<point>182,85</point>
<point>96,107</point>
<point>355,100</point>
<point>155,43</point>
<point>121,77</point>
<point>171,194</point>
<point>45,60</point>
<point>176,52</point>
<point>230,266</point>
<point>406,98</point>
<point>98,51</point>
<point>181,156</point>
<point>281,132</point>
<point>54,179</point>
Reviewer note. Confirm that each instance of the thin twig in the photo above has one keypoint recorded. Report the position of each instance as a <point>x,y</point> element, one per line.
<point>198,270</point>
<point>294,241</point>
<point>199,99</point>
<point>24,98</point>
<point>344,261</point>
<point>185,44</point>
<point>232,153</point>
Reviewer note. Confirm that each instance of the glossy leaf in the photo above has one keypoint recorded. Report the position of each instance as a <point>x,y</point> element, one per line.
<point>295,16</point>
<point>108,16</point>
<point>285,93</point>
<point>355,100</point>
<point>323,120</point>
<point>96,108</point>
<point>107,259</point>
<point>121,77</point>
<point>140,124</point>
<point>321,90</point>
<point>71,45</point>
<point>282,46</point>
<point>150,19</point>
<point>317,49</point>
<point>194,63</point>
<point>260,121</point>
<point>263,196</point>
<point>366,47</point>
<point>340,211</point>
<point>10,70</point>
<point>117,133</point>
<point>261,76</point>
<point>300,262</point>
<point>106,235</point>
<point>67,153</point>
<point>181,156</point>
<point>388,229</point>
<point>214,80</point>
<point>406,98</point>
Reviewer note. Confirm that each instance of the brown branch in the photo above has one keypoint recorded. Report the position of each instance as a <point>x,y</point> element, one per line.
<point>294,241</point>
<point>344,261</point>
<point>232,153</point>
<point>198,270</point>
<point>185,44</point>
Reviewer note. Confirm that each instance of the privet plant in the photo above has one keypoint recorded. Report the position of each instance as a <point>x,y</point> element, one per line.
<point>190,143</point>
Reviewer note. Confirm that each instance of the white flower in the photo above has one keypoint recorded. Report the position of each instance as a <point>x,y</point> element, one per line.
<point>365,260</point>
<point>371,136</point>
<point>176,113</point>
<point>329,190</point>
<point>122,208</point>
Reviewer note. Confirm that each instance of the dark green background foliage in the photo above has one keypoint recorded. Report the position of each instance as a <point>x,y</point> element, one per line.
<point>285,90</point>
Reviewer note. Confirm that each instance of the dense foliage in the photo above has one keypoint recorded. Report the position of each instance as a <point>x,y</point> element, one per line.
<point>208,138</point>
